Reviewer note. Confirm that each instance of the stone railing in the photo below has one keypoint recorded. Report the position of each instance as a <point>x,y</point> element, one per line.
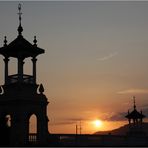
<point>15,78</point>
<point>32,138</point>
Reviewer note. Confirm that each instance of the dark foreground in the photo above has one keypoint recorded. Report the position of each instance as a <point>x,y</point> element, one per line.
<point>70,140</point>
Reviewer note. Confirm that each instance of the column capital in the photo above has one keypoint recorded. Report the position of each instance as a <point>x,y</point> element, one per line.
<point>23,62</point>
<point>34,59</point>
<point>6,59</point>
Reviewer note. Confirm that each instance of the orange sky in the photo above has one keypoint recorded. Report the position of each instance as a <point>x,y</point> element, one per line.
<point>95,58</point>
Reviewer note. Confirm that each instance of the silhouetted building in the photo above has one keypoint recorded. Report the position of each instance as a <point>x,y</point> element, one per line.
<point>135,119</point>
<point>135,116</point>
<point>21,96</point>
<point>136,136</point>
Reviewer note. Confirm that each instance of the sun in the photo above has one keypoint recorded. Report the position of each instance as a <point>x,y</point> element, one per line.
<point>97,123</point>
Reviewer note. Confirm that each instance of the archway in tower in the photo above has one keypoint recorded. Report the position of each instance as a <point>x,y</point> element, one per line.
<point>5,127</point>
<point>33,128</point>
<point>8,120</point>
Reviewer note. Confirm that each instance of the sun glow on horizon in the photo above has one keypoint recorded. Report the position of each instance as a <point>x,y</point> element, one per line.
<point>98,123</point>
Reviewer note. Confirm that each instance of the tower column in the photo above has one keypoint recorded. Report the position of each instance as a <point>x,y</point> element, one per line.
<point>34,60</point>
<point>20,69</point>
<point>6,60</point>
<point>42,129</point>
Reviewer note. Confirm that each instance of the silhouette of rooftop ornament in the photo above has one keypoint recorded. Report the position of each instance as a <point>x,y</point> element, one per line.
<point>20,28</point>
<point>41,89</point>
<point>134,102</point>
<point>35,41</point>
<point>20,46</point>
<point>135,115</point>
<point>141,111</point>
<point>5,41</point>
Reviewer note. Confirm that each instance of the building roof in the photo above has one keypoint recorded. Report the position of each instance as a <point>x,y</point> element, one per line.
<point>135,114</point>
<point>20,47</point>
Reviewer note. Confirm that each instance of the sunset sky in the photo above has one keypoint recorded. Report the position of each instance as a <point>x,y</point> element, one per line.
<point>95,61</point>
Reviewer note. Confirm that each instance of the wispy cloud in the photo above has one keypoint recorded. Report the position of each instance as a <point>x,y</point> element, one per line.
<point>145,111</point>
<point>133,91</point>
<point>68,121</point>
<point>62,123</point>
<point>120,116</point>
<point>107,57</point>
<point>114,116</point>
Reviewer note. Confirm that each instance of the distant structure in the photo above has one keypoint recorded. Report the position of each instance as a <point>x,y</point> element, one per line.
<point>79,128</point>
<point>20,96</point>
<point>135,119</point>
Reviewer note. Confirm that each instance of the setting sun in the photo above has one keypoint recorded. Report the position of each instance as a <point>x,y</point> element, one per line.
<point>97,123</point>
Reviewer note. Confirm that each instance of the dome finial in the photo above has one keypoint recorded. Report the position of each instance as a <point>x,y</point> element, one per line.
<point>41,89</point>
<point>20,28</point>
<point>134,102</point>
<point>5,41</point>
<point>141,112</point>
<point>35,41</point>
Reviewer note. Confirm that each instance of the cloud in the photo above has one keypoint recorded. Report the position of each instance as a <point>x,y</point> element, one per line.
<point>107,57</point>
<point>144,106</point>
<point>145,111</point>
<point>62,123</point>
<point>120,116</point>
<point>68,121</point>
<point>133,91</point>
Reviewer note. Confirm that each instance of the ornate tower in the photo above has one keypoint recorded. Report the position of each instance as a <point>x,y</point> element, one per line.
<point>21,96</point>
<point>135,119</point>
